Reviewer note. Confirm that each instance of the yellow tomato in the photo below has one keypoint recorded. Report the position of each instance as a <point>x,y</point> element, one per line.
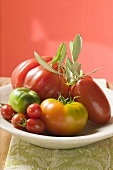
<point>63,120</point>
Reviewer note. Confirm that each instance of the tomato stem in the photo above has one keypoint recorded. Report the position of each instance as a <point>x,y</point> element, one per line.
<point>23,123</point>
<point>68,100</point>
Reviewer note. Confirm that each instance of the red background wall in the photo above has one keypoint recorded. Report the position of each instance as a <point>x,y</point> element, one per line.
<point>42,25</point>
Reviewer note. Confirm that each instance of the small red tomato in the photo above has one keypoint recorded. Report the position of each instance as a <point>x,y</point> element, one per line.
<point>34,110</point>
<point>7,112</point>
<point>19,120</point>
<point>35,126</point>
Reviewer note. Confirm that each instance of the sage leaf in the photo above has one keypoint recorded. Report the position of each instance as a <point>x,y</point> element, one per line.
<point>69,73</point>
<point>63,54</point>
<point>44,64</point>
<point>81,73</point>
<point>58,54</point>
<point>78,68</point>
<point>71,47</point>
<point>69,64</point>
<point>77,45</point>
<point>75,69</point>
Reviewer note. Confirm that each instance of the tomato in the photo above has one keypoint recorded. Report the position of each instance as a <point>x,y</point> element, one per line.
<point>21,98</point>
<point>63,120</point>
<point>19,120</point>
<point>93,98</point>
<point>7,112</point>
<point>22,69</point>
<point>35,126</point>
<point>34,110</point>
<point>33,76</point>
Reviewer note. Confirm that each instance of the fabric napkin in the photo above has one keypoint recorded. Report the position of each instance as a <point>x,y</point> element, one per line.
<point>25,156</point>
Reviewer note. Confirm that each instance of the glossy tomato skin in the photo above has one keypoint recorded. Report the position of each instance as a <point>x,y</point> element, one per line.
<point>20,98</point>
<point>20,72</point>
<point>63,120</point>
<point>34,110</point>
<point>35,126</point>
<point>46,83</point>
<point>7,112</point>
<point>33,76</point>
<point>93,98</point>
<point>19,118</point>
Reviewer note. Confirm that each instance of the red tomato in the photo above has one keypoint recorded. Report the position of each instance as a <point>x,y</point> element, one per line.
<point>93,98</point>
<point>35,126</point>
<point>34,110</point>
<point>33,76</point>
<point>7,112</point>
<point>19,73</point>
<point>19,120</point>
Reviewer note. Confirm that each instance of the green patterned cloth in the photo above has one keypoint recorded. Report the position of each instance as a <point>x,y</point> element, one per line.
<point>25,156</point>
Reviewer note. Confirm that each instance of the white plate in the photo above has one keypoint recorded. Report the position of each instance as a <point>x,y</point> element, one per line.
<point>91,134</point>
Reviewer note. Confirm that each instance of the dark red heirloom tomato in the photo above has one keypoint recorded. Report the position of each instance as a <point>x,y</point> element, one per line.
<point>93,98</point>
<point>20,72</point>
<point>33,76</point>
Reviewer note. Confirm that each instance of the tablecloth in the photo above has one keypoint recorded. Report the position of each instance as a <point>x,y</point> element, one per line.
<point>25,156</point>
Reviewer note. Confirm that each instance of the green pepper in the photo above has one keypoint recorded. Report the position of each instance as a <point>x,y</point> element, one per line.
<point>21,98</point>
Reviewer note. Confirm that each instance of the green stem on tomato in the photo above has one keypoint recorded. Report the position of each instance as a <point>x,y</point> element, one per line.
<point>23,123</point>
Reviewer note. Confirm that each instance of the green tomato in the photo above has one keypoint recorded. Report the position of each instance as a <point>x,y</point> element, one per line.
<point>21,98</point>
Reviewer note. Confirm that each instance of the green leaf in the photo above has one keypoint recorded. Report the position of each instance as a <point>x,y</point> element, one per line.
<point>76,67</point>
<point>44,64</point>
<point>69,64</point>
<point>72,67</point>
<point>71,47</point>
<point>62,56</point>
<point>81,73</point>
<point>77,45</point>
<point>69,74</point>
<point>58,54</point>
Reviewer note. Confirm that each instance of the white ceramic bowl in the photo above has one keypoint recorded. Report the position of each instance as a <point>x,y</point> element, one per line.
<point>92,133</point>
